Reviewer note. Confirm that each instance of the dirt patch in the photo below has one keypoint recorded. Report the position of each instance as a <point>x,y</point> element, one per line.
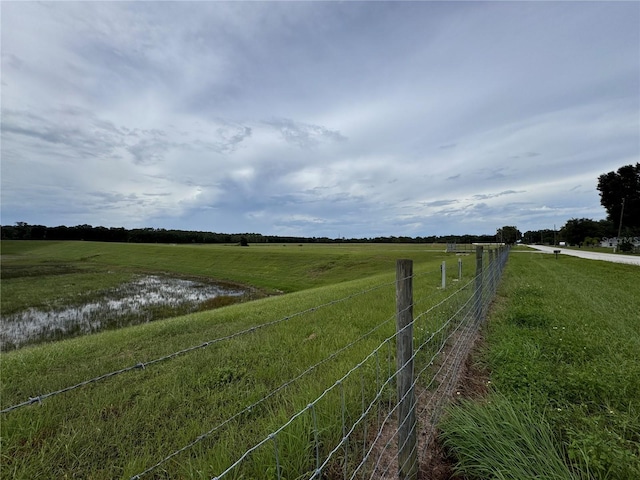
<point>458,375</point>
<point>473,383</point>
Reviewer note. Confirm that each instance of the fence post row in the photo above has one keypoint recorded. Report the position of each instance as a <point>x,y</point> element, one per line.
<point>407,446</point>
<point>407,423</point>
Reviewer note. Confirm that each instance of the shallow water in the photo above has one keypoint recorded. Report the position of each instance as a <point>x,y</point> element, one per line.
<point>127,304</point>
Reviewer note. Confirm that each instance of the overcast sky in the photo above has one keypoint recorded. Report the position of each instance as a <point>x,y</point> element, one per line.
<point>316,118</point>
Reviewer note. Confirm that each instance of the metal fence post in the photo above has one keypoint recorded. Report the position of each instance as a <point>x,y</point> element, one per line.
<point>407,446</point>
<point>478,292</point>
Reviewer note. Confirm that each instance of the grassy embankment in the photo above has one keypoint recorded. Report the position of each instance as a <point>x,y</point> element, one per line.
<point>54,276</point>
<point>120,426</point>
<point>563,351</point>
<point>70,269</point>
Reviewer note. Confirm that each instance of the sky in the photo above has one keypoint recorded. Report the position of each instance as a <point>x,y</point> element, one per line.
<point>336,119</point>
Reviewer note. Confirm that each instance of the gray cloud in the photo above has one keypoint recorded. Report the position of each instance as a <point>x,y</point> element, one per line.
<point>440,203</point>
<point>148,151</point>
<point>139,114</point>
<point>495,195</point>
<point>304,135</point>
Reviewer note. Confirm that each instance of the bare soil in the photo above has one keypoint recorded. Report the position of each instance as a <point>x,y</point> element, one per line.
<point>460,376</point>
<point>473,383</point>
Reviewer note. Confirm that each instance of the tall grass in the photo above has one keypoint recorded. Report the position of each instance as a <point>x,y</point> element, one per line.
<point>505,440</point>
<point>563,338</point>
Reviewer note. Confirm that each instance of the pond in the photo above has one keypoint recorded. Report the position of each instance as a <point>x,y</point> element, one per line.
<point>144,299</point>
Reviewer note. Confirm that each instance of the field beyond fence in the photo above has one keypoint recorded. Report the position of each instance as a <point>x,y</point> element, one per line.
<point>303,385</point>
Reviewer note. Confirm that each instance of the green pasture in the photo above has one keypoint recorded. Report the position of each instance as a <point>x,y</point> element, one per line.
<point>562,348</point>
<point>563,352</point>
<point>66,269</point>
<point>57,276</point>
<point>120,426</point>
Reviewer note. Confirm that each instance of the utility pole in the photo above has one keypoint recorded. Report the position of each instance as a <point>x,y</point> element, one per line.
<point>620,225</point>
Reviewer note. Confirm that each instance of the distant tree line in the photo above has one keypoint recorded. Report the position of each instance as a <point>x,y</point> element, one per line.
<point>576,231</point>
<point>620,197</point>
<point>24,231</point>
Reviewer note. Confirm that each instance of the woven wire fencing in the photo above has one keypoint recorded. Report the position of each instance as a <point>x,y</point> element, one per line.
<point>376,436</point>
<point>375,420</point>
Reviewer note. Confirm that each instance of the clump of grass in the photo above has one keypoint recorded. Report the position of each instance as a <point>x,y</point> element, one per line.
<point>503,439</point>
<point>564,338</point>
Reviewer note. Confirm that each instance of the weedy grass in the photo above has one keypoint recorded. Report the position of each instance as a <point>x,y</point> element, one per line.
<point>230,394</point>
<point>563,340</point>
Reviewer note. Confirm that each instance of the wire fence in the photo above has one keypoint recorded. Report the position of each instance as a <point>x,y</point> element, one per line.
<point>380,441</point>
<point>361,425</point>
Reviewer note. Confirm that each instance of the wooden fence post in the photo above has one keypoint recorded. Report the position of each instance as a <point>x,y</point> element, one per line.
<point>407,446</point>
<point>443,270</point>
<point>459,269</point>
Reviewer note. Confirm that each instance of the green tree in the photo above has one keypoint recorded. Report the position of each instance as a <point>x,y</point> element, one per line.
<point>544,236</point>
<point>576,230</point>
<point>508,235</point>
<point>616,187</point>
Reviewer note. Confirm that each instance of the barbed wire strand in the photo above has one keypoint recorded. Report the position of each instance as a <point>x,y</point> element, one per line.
<point>250,407</point>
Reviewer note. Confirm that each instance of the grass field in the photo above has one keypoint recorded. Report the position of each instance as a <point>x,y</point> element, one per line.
<point>57,276</point>
<point>274,267</point>
<point>563,351</point>
<point>563,347</point>
<point>119,427</point>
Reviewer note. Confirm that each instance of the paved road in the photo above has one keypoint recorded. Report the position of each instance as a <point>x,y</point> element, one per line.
<point>607,257</point>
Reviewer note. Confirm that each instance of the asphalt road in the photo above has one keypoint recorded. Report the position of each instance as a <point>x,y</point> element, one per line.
<point>607,257</point>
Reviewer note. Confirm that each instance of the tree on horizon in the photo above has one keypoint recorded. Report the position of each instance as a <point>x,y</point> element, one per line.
<point>618,188</point>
